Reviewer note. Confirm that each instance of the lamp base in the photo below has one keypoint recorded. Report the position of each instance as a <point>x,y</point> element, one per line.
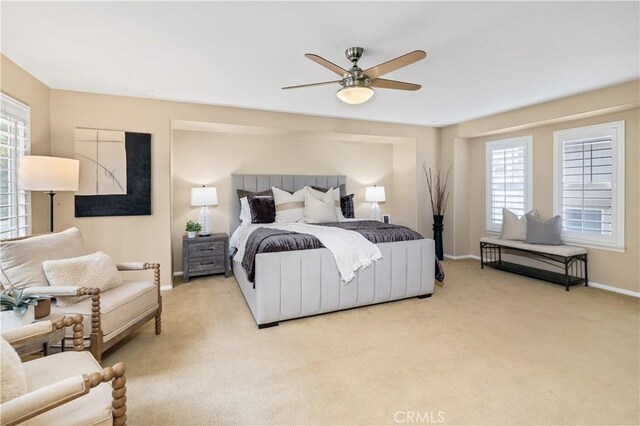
<point>375,214</point>
<point>204,219</point>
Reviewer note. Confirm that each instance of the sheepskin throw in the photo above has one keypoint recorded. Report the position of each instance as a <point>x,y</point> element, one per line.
<point>13,378</point>
<point>95,270</point>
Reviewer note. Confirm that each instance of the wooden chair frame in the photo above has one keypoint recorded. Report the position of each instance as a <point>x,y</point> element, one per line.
<point>97,345</point>
<point>114,374</point>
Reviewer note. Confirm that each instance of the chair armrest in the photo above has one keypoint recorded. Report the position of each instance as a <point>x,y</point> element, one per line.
<point>141,266</point>
<point>26,332</point>
<point>34,403</point>
<point>38,330</point>
<point>63,290</point>
<point>44,399</point>
<point>130,266</point>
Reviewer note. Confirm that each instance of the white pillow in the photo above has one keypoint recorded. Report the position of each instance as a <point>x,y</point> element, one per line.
<point>289,207</point>
<point>245,211</point>
<point>21,260</point>
<point>319,210</point>
<point>95,270</point>
<point>514,228</point>
<point>12,375</point>
<point>336,198</point>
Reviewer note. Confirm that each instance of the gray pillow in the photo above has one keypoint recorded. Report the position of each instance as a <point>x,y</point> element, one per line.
<point>544,231</point>
<point>342,188</point>
<point>242,193</point>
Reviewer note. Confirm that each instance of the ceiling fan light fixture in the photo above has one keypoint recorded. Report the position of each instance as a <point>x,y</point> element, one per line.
<point>355,95</point>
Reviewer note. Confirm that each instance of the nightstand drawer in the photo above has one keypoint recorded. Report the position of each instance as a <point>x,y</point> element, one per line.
<point>211,248</point>
<point>201,264</point>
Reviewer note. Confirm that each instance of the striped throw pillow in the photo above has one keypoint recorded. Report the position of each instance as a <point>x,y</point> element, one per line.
<point>289,207</point>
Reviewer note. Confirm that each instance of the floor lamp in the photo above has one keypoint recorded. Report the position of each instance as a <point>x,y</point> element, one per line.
<point>49,174</point>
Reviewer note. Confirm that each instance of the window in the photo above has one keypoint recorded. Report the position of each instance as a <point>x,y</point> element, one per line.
<point>15,205</point>
<point>509,180</point>
<point>589,184</point>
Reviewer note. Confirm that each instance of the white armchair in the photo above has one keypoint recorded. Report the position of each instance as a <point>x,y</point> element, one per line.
<point>109,316</point>
<point>65,388</point>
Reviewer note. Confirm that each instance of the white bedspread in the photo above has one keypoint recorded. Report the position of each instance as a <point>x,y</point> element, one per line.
<point>350,250</point>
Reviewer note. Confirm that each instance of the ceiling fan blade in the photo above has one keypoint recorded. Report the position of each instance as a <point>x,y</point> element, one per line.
<point>394,64</point>
<point>312,84</point>
<point>393,84</point>
<point>329,65</point>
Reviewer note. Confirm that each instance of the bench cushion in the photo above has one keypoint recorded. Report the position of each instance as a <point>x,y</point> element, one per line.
<point>563,250</point>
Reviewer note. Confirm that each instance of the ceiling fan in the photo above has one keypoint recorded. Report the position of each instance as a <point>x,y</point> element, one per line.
<point>356,83</point>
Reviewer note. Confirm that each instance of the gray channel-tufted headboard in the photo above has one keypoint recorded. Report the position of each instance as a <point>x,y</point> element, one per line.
<point>289,183</point>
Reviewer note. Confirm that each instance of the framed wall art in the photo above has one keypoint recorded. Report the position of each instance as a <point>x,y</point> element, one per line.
<point>115,173</point>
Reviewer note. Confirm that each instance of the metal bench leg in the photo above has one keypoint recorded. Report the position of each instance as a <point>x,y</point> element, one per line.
<point>566,275</point>
<point>481,256</point>
<point>586,271</point>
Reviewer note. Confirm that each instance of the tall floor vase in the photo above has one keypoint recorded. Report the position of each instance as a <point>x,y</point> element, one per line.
<point>438,226</point>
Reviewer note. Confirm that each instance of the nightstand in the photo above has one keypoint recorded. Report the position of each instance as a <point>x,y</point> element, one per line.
<point>205,256</point>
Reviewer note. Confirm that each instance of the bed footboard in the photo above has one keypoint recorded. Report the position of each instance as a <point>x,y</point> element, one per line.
<point>303,283</point>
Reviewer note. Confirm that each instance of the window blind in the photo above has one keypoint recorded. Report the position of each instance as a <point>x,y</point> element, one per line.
<point>587,182</point>
<point>15,204</point>
<point>508,179</point>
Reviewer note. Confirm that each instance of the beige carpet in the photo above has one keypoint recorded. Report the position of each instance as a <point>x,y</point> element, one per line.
<point>487,348</point>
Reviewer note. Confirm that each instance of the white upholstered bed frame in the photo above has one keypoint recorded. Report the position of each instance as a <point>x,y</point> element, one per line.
<point>302,283</point>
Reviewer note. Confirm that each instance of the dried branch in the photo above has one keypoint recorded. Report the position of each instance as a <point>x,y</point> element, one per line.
<point>437,185</point>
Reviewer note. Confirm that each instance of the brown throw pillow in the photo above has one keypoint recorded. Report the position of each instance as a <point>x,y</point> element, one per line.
<point>342,188</point>
<point>242,193</point>
<point>263,209</point>
<point>346,205</point>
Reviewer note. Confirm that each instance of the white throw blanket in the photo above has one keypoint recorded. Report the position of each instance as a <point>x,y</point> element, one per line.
<point>350,250</point>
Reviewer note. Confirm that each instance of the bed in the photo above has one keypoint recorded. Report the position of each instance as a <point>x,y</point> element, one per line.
<point>301,283</point>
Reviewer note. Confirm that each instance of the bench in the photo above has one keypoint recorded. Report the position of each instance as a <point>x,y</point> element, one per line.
<point>573,259</point>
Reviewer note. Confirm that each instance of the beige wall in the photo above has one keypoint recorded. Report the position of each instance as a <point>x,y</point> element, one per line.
<point>149,237</point>
<point>56,113</point>
<point>605,267</point>
<point>209,158</point>
<point>20,85</point>
<point>463,146</point>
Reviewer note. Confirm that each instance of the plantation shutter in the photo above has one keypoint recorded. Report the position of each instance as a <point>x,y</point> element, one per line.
<point>15,204</point>
<point>587,183</point>
<point>508,179</point>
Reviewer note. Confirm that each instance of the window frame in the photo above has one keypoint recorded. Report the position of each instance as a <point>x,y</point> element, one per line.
<point>527,143</point>
<point>18,110</point>
<point>615,130</point>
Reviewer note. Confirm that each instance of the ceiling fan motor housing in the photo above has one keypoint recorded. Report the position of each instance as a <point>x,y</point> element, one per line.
<point>355,77</point>
<point>354,54</point>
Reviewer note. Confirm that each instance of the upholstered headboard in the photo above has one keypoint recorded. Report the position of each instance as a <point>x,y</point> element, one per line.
<point>289,183</point>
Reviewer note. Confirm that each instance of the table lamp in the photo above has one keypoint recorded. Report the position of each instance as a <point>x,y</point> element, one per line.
<point>205,197</point>
<point>375,194</point>
<point>49,174</point>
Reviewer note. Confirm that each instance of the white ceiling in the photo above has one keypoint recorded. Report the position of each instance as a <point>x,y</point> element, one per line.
<point>482,58</point>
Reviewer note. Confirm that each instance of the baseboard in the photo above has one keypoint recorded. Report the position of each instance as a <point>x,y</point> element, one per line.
<point>166,287</point>
<point>591,283</point>
<point>466,256</point>
<point>177,274</point>
<point>614,289</point>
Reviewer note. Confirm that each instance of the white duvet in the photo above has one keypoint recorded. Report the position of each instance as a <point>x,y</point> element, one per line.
<point>350,250</point>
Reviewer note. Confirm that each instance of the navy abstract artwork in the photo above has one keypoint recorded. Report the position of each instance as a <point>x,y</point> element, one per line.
<point>115,173</point>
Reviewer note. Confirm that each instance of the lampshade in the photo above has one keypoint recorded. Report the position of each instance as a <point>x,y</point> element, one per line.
<point>374,194</point>
<point>355,95</point>
<point>38,173</point>
<point>204,196</point>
